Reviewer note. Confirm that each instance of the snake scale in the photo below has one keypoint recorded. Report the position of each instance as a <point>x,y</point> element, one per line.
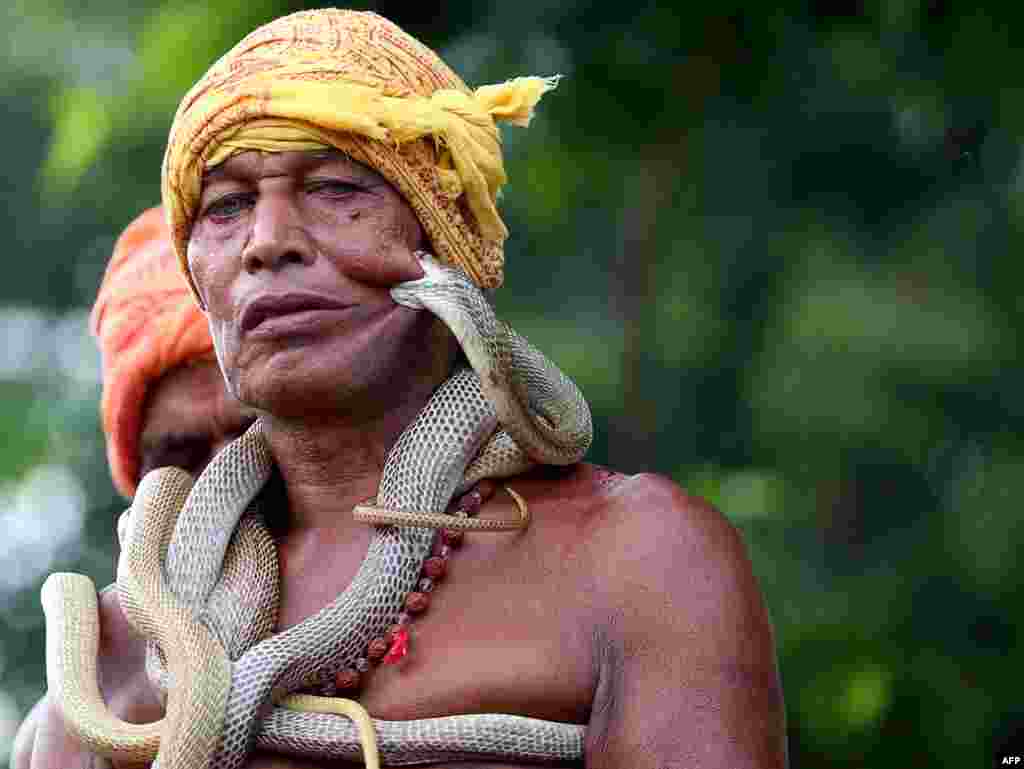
<point>196,568</point>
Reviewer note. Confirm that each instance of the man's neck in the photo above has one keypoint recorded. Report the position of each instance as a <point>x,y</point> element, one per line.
<point>331,464</point>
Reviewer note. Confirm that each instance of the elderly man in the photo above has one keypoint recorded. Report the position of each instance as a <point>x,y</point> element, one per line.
<point>305,175</point>
<point>164,403</point>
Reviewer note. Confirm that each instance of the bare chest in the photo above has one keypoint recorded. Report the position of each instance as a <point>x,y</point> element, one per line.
<point>507,630</point>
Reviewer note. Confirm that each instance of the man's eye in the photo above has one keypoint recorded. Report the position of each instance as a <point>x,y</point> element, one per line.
<point>228,207</point>
<point>333,188</point>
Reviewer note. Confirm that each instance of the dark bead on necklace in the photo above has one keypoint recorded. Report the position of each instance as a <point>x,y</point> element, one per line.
<point>435,567</point>
<point>378,648</point>
<point>417,602</point>
<point>349,678</point>
<point>451,537</point>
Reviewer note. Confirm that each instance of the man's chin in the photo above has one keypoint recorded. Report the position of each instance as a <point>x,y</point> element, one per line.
<point>309,389</point>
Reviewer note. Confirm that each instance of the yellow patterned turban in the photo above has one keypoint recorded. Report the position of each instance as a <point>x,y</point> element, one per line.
<point>146,324</point>
<point>357,82</point>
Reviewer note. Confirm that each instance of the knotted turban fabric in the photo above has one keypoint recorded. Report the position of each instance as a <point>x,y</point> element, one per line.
<point>357,82</point>
<point>146,323</point>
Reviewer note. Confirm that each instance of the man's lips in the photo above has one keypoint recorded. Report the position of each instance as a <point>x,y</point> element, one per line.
<point>266,307</point>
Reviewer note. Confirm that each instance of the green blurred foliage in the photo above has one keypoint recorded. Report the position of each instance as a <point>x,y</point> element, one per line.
<point>778,250</point>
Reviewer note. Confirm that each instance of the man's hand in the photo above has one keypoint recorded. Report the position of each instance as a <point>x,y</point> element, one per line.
<point>42,742</point>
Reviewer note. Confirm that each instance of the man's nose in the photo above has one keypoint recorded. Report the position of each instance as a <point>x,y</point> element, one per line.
<point>277,238</point>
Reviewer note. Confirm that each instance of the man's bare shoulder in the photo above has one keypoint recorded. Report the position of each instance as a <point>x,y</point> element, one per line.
<point>641,534</point>
<point>645,514</point>
<point>665,519</point>
<point>649,537</point>
<point>680,624</point>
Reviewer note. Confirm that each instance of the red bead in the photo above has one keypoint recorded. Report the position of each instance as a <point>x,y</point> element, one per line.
<point>451,537</point>
<point>378,648</point>
<point>347,679</point>
<point>399,646</point>
<point>417,602</point>
<point>435,567</point>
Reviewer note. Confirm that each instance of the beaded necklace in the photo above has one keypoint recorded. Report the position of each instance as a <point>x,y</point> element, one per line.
<point>393,647</point>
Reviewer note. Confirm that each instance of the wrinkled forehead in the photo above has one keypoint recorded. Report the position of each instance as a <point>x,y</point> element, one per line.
<point>254,162</point>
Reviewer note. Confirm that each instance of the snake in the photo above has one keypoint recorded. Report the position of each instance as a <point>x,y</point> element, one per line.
<point>197,566</point>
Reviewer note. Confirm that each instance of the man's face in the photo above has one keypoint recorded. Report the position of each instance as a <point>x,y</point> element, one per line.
<point>188,418</point>
<point>293,254</point>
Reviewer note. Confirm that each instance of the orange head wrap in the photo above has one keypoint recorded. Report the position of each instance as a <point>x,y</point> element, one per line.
<point>355,81</point>
<point>146,324</point>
